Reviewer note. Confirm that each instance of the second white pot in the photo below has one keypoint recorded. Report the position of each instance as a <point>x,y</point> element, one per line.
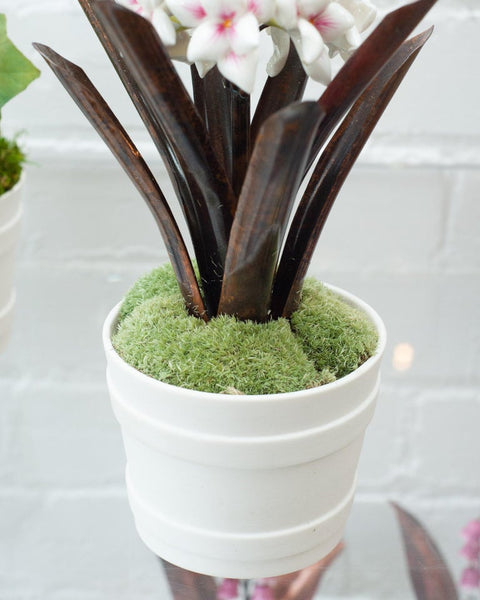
<point>242,486</point>
<point>10,222</point>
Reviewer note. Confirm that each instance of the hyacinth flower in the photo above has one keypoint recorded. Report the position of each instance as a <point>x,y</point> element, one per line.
<point>236,171</point>
<point>262,591</point>
<point>470,576</point>
<point>228,590</point>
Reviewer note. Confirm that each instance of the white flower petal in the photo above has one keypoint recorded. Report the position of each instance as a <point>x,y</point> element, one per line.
<point>240,70</point>
<point>308,41</point>
<point>132,5</point>
<point>204,67</point>
<point>363,11</point>
<point>281,48</point>
<point>220,8</point>
<point>310,8</point>
<point>345,44</point>
<point>264,10</point>
<point>244,34</point>
<point>188,12</point>
<point>333,22</point>
<point>286,14</point>
<point>320,70</point>
<point>208,43</point>
<point>164,26</point>
<point>352,39</point>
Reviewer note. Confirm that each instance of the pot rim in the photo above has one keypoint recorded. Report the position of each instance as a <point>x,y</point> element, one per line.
<point>111,321</point>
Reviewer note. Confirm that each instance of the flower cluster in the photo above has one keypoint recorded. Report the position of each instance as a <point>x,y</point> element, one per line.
<point>471,551</point>
<point>261,589</point>
<point>226,33</point>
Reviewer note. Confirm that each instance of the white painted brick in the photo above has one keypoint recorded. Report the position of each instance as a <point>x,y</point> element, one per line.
<point>61,436</point>
<point>74,547</point>
<point>88,220</point>
<point>58,320</point>
<point>383,460</point>
<point>446,442</point>
<point>386,219</point>
<point>463,240</point>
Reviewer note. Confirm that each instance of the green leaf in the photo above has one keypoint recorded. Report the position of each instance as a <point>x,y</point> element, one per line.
<point>16,71</point>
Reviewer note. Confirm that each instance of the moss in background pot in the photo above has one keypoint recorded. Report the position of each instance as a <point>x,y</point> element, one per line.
<point>326,339</point>
<point>12,160</point>
<point>16,73</point>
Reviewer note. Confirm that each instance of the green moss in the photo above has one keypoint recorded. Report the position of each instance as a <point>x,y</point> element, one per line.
<point>325,339</point>
<point>160,281</point>
<point>11,163</point>
<point>335,335</point>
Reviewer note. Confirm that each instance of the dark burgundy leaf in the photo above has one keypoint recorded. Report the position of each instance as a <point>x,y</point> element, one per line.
<point>209,213</point>
<point>429,573</point>
<point>186,585</point>
<point>364,65</point>
<point>279,91</point>
<point>111,131</point>
<point>273,177</point>
<point>330,174</point>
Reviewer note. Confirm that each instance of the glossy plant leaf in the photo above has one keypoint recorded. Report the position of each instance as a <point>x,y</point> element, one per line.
<point>186,585</point>
<point>364,65</point>
<point>272,181</point>
<point>304,584</point>
<point>176,175</point>
<point>213,104</point>
<point>429,573</point>
<point>279,91</point>
<point>225,109</point>
<point>209,214</point>
<point>330,174</point>
<point>16,71</point>
<point>240,111</point>
<point>94,107</point>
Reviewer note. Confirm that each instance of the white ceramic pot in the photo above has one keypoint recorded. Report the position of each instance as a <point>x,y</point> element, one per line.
<point>242,486</point>
<point>10,221</point>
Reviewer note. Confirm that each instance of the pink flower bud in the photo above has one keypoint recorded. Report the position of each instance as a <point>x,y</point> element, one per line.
<point>470,578</point>
<point>228,589</point>
<point>471,550</point>
<point>262,591</point>
<point>472,530</point>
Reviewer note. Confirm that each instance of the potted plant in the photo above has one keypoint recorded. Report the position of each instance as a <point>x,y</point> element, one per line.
<point>243,389</point>
<point>16,73</point>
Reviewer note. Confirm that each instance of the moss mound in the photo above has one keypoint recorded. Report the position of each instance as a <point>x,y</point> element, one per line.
<point>334,335</point>
<point>11,163</point>
<point>326,339</point>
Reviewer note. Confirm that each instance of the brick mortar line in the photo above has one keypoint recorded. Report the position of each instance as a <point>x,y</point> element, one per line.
<point>421,150</point>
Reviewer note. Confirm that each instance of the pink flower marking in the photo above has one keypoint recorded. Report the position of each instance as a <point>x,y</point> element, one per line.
<point>198,11</point>
<point>321,22</point>
<point>226,22</point>
<point>136,6</point>
<point>470,578</point>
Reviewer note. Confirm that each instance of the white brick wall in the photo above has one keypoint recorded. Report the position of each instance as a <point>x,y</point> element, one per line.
<point>404,236</point>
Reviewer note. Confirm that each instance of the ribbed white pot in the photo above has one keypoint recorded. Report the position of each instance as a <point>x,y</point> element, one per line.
<point>242,486</point>
<point>10,221</point>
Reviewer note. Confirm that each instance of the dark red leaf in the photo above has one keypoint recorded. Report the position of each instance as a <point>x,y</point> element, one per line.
<point>116,138</point>
<point>429,573</point>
